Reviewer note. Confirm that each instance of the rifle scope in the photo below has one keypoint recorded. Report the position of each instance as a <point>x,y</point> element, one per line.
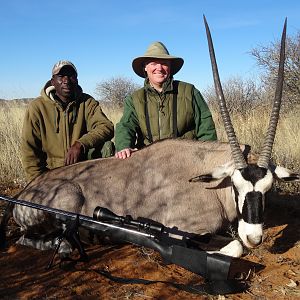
<point>104,214</point>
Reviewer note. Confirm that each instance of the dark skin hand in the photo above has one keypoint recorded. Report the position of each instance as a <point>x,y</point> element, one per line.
<point>74,154</point>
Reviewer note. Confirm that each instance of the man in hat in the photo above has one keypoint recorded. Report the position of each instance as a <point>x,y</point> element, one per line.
<point>164,107</point>
<point>62,125</point>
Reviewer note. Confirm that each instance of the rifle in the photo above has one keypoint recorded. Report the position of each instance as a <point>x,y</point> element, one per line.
<point>214,267</point>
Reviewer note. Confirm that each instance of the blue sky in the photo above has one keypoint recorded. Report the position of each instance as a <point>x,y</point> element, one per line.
<point>102,37</point>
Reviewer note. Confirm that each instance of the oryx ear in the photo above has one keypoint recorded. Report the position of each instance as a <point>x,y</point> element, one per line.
<point>219,172</point>
<point>285,174</point>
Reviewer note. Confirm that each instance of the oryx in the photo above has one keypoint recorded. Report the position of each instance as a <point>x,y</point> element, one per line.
<point>196,187</point>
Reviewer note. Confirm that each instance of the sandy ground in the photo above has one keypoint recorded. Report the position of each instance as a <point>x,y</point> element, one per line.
<point>24,275</point>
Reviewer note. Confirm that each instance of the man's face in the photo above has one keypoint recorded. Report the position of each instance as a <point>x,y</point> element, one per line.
<point>158,71</point>
<point>65,83</point>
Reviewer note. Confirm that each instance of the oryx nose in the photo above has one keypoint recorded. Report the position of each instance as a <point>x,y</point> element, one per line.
<point>254,240</point>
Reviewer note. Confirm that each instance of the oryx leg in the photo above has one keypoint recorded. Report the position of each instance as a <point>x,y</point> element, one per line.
<point>226,246</point>
<point>234,249</point>
<point>41,229</point>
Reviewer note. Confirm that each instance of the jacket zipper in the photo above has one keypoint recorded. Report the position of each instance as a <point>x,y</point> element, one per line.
<point>65,132</point>
<point>66,120</point>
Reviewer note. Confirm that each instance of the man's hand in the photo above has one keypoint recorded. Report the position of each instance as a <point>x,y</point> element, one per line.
<point>74,154</point>
<point>125,153</point>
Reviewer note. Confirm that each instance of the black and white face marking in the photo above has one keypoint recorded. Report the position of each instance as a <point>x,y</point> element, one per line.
<point>252,211</point>
<point>250,185</point>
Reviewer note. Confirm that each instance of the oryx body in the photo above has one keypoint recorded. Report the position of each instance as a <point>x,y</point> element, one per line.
<point>153,183</point>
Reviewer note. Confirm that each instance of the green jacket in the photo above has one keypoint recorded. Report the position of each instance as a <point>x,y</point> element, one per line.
<point>49,130</point>
<point>193,120</point>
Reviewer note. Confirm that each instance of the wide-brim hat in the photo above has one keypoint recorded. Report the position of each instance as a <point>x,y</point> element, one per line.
<point>156,50</point>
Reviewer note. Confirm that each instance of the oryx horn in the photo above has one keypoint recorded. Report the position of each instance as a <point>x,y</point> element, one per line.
<point>266,152</point>
<point>237,154</point>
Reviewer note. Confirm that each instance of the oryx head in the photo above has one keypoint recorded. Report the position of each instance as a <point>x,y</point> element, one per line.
<point>250,182</point>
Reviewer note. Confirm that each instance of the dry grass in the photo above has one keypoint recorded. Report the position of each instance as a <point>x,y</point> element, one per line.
<point>249,130</point>
<point>113,113</point>
<point>11,119</point>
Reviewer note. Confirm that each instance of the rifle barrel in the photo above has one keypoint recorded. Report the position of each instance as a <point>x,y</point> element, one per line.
<point>64,215</point>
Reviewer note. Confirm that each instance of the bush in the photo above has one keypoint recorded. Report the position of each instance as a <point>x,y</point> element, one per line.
<point>112,92</point>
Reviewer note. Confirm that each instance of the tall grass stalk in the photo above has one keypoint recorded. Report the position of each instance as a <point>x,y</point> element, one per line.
<point>11,119</point>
